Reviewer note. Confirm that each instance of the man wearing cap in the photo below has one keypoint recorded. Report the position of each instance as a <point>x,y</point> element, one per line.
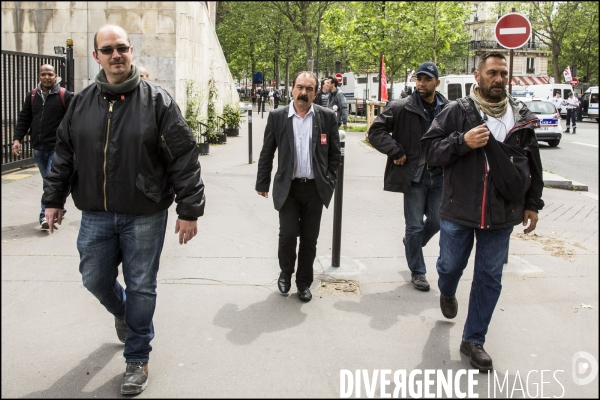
<point>406,171</point>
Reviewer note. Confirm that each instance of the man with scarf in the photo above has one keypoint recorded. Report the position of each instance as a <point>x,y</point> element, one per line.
<point>471,206</point>
<point>406,170</point>
<point>125,153</point>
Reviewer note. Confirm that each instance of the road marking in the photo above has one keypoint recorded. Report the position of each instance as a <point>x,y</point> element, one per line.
<point>512,31</point>
<point>586,144</point>
<point>15,176</point>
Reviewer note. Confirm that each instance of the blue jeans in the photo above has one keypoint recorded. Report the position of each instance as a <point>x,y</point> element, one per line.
<point>105,240</point>
<point>423,198</point>
<point>43,159</point>
<point>456,243</point>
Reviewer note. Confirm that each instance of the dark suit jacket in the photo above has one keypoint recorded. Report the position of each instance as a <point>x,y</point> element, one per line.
<point>279,133</point>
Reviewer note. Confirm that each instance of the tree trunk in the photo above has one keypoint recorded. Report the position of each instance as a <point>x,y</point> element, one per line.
<point>555,66</point>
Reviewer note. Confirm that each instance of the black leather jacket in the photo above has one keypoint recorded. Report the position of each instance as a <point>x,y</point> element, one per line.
<point>469,197</point>
<point>127,154</point>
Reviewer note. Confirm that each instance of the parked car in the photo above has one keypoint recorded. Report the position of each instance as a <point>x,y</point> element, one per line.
<point>550,130</point>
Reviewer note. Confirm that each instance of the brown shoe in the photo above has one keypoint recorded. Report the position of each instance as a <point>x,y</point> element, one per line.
<point>449,306</point>
<point>478,358</point>
<point>135,378</point>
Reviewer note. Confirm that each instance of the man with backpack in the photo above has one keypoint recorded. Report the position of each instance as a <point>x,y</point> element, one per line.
<point>482,199</point>
<point>43,110</point>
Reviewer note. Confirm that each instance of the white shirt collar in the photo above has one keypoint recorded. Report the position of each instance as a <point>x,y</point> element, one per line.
<point>292,110</point>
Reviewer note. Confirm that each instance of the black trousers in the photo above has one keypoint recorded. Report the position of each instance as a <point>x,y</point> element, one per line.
<point>571,116</point>
<point>300,216</point>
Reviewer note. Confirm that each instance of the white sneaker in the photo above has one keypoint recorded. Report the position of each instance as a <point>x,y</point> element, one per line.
<point>44,223</point>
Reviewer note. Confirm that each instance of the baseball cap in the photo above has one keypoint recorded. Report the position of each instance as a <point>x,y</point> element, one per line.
<point>428,68</point>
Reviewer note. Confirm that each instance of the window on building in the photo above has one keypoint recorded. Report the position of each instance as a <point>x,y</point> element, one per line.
<point>454,91</point>
<point>530,65</point>
<point>475,34</point>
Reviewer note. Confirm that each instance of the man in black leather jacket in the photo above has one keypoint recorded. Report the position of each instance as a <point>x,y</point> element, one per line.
<point>406,170</point>
<point>472,206</point>
<point>125,153</point>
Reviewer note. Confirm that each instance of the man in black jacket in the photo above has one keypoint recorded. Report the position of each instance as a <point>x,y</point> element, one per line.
<point>307,139</point>
<point>337,99</point>
<point>43,109</point>
<point>472,206</point>
<point>125,152</point>
<point>406,171</point>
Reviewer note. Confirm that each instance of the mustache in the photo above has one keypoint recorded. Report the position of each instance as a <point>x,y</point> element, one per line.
<point>302,97</point>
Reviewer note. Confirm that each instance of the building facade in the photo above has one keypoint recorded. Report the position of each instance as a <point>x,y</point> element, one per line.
<point>175,41</point>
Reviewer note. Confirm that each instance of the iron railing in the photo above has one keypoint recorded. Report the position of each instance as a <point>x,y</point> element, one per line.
<point>19,76</point>
<point>492,44</point>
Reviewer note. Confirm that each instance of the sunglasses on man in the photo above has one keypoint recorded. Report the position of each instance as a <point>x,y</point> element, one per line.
<point>108,51</point>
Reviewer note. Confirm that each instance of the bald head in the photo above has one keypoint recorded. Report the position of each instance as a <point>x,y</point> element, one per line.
<point>144,74</point>
<point>107,29</point>
<point>47,77</point>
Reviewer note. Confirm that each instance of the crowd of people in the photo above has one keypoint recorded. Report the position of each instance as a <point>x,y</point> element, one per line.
<point>453,162</point>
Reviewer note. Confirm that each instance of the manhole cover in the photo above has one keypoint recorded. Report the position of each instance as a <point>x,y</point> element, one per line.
<point>340,286</point>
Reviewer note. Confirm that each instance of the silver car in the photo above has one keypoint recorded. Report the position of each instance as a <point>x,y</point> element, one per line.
<point>550,130</point>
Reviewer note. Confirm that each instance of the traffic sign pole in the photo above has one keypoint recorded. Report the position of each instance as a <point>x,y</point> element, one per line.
<point>512,31</point>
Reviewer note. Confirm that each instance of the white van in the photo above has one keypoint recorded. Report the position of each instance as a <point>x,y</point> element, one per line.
<point>456,86</point>
<point>399,87</point>
<point>548,91</point>
<point>591,95</point>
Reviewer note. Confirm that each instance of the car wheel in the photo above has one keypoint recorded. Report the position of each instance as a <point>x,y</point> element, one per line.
<point>553,143</point>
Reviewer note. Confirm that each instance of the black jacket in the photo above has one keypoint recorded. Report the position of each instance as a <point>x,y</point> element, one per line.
<point>338,99</point>
<point>407,122</point>
<point>42,119</point>
<point>326,155</point>
<point>469,197</point>
<point>130,156</point>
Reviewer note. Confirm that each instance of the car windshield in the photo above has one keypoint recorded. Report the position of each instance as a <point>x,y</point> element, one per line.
<point>541,107</point>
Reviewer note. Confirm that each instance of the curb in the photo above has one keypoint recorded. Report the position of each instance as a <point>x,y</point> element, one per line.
<point>558,182</point>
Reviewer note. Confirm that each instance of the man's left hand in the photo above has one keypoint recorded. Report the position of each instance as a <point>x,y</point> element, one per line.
<point>345,127</point>
<point>186,229</point>
<point>532,217</point>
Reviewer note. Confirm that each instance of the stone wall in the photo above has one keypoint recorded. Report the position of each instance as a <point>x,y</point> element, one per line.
<point>175,41</point>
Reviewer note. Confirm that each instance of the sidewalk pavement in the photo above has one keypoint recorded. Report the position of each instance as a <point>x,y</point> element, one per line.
<point>224,330</point>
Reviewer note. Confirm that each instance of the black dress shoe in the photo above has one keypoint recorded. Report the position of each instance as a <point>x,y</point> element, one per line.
<point>449,306</point>
<point>304,294</point>
<point>478,358</point>
<point>285,282</point>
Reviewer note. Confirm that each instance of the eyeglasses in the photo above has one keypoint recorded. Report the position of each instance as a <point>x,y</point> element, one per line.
<point>108,51</point>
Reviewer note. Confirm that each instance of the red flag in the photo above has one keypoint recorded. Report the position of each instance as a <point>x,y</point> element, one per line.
<point>383,81</point>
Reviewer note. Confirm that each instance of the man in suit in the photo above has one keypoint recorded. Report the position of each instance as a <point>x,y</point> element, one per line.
<point>309,154</point>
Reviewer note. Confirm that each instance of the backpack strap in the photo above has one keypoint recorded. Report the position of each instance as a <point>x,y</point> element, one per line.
<point>61,93</point>
<point>468,106</point>
<point>33,93</point>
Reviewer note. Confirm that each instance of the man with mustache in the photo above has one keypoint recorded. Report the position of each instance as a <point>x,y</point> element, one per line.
<point>125,153</point>
<point>461,140</point>
<point>43,110</point>
<point>307,139</point>
<point>406,170</point>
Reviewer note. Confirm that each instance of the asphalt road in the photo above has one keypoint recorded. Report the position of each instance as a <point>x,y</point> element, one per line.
<point>576,157</point>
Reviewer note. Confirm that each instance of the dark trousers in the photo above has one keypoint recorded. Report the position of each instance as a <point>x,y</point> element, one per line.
<point>300,216</point>
<point>571,117</point>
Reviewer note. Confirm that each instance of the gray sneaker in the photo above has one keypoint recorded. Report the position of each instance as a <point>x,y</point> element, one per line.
<point>420,283</point>
<point>121,327</point>
<point>135,378</point>
<point>44,223</point>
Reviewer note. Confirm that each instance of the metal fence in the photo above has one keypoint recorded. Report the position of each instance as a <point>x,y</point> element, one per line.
<point>19,76</point>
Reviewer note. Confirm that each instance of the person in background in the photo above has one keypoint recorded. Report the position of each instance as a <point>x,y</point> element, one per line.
<point>43,110</point>
<point>580,108</point>
<point>144,74</point>
<point>276,98</point>
<point>572,106</point>
<point>406,170</point>
<point>323,96</point>
<point>337,98</point>
<point>557,101</point>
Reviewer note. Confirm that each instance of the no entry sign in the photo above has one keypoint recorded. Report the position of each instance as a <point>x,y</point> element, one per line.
<point>339,77</point>
<point>512,30</point>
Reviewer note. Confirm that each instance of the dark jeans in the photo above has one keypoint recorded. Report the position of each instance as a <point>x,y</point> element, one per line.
<point>105,240</point>
<point>571,116</point>
<point>43,160</point>
<point>580,114</point>
<point>300,216</point>
<point>422,199</point>
<point>456,243</point>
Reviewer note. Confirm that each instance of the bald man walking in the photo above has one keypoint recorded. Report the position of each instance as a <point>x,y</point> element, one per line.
<point>43,110</point>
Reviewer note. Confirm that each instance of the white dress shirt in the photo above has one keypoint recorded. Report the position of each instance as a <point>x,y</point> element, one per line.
<point>302,142</point>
